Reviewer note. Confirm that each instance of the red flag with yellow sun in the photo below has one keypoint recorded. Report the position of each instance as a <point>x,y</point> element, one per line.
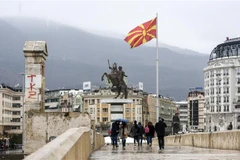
<point>142,33</point>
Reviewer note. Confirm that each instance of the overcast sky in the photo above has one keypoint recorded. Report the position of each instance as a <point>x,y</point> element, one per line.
<point>196,25</point>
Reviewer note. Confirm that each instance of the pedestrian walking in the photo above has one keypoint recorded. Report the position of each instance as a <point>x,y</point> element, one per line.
<point>135,133</point>
<point>160,130</point>
<point>150,133</point>
<point>114,134</point>
<point>141,133</point>
<point>123,134</point>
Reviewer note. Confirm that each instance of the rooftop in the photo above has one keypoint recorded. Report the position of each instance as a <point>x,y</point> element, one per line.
<point>230,48</point>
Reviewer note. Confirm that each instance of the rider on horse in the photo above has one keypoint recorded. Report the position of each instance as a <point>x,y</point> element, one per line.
<point>116,78</point>
<point>121,75</point>
<point>113,68</point>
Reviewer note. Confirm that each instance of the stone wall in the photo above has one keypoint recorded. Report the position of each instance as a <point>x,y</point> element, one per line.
<point>74,144</point>
<point>41,126</point>
<point>215,140</point>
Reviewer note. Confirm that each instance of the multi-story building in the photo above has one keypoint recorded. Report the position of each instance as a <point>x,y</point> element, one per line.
<point>222,86</point>
<point>167,108</point>
<point>63,100</point>
<point>182,108</point>
<point>104,109</point>
<point>196,110</point>
<point>11,100</point>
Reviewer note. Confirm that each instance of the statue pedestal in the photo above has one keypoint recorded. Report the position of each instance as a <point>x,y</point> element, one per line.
<point>117,107</point>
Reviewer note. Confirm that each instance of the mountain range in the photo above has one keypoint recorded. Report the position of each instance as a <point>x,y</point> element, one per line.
<point>76,56</point>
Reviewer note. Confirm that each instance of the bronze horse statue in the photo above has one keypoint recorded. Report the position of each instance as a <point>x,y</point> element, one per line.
<point>114,80</point>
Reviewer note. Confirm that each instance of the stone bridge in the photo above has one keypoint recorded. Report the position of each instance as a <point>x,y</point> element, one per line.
<point>78,144</point>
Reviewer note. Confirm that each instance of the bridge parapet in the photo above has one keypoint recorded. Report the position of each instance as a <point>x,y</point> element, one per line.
<point>214,140</point>
<point>73,144</point>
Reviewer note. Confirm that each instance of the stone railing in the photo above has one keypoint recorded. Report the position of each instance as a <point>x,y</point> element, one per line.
<point>74,144</point>
<point>215,140</point>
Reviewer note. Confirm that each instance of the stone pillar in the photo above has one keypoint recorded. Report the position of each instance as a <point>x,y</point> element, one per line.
<point>35,53</point>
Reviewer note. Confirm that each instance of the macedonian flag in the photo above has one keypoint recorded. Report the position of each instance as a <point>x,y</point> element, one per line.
<point>142,33</point>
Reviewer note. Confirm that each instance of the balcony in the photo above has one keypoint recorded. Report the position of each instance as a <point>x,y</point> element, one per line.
<point>11,123</point>
<point>14,131</point>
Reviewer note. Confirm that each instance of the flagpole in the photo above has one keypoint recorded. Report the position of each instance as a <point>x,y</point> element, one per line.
<point>157,90</point>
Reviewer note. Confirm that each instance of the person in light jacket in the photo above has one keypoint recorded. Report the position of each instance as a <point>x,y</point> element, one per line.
<point>123,133</point>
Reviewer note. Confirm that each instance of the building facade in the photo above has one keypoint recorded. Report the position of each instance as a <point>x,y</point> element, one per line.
<point>167,108</point>
<point>196,110</point>
<point>182,108</point>
<point>64,100</point>
<point>222,86</point>
<point>11,100</point>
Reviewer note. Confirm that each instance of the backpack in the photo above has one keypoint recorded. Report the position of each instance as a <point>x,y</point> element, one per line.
<point>146,129</point>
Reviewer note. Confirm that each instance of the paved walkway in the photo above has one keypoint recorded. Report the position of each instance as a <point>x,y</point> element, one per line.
<point>169,153</point>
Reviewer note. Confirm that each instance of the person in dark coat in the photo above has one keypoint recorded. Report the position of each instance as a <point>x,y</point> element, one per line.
<point>160,130</point>
<point>114,133</point>
<point>141,130</point>
<point>135,132</point>
<point>150,134</point>
<point>176,123</point>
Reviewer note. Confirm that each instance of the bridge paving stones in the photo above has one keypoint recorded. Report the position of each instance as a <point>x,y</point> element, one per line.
<point>169,153</point>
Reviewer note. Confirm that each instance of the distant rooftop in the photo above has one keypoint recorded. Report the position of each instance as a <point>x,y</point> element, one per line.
<point>16,89</point>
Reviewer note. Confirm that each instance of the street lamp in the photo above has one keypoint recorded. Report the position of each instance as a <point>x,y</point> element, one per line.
<point>23,97</point>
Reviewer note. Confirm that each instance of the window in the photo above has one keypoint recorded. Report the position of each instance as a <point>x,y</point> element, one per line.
<point>105,119</point>
<point>92,101</point>
<point>218,108</point>
<point>127,110</point>
<point>238,119</point>
<point>238,99</point>
<point>91,110</point>
<point>218,90</point>
<point>16,105</point>
<point>226,99</point>
<point>218,99</point>
<point>212,74</point>
<point>211,82</point>
<point>212,99</point>
<point>226,108</point>
<point>238,80</point>
<point>16,98</point>
<point>218,73</point>
<point>212,108</point>
<point>105,110</point>
<point>16,113</point>
<point>238,70</point>
<point>226,81</point>
<point>225,72</point>
<point>226,90</point>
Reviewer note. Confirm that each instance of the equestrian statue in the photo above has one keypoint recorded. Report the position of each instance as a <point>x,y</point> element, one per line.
<point>116,79</point>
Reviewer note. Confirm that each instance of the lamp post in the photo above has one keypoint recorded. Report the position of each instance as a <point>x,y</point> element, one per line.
<point>23,97</point>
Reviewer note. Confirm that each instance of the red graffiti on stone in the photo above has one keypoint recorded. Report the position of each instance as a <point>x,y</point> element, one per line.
<point>32,92</point>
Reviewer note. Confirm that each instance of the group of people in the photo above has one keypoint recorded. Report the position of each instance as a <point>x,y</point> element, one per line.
<point>138,132</point>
